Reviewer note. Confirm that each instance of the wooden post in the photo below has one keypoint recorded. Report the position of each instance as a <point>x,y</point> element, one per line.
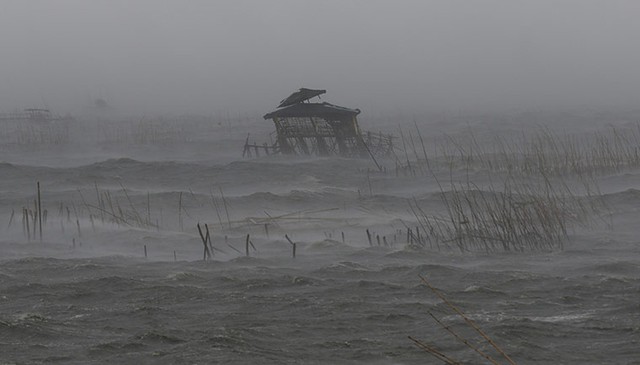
<point>247,246</point>
<point>369,237</point>
<point>145,251</point>
<point>293,244</point>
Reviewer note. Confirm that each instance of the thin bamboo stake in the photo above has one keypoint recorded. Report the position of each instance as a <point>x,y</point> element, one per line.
<point>99,201</point>
<point>34,216</point>
<point>293,244</point>
<point>13,212</point>
<point>208,238</point>
<point>206,254</point>
<point>215,206</point>
<point>235,249</point>
<point>226,209</point>
<point>25,215</point>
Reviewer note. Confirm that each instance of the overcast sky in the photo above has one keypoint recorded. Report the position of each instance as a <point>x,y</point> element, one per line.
<point>202,56</point>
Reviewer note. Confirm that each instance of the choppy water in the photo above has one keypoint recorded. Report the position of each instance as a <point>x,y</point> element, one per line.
<point>102,301</point>
<point>326,306</point>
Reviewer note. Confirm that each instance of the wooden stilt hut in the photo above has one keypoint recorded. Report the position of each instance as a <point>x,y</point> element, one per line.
<point>322,129</point>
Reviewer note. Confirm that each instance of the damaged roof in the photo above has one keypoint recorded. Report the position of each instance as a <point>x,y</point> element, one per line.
<point>301,95</point>
<point>322,110</point>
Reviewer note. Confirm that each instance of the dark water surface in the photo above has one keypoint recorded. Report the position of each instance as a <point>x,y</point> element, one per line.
<point>572,307</point>
<point>335,303</point>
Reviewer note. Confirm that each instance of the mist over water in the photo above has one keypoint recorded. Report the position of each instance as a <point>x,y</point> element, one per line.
<point>243,56</point>
<point>513,186</point>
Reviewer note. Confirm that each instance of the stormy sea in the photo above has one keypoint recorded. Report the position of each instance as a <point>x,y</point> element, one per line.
<point>103,229</point>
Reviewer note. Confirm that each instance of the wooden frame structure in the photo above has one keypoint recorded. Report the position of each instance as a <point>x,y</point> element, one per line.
<point>322,129</point>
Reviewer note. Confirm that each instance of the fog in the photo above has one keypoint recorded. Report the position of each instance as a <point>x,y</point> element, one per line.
<point>497,156</point>
<point>203,56</point>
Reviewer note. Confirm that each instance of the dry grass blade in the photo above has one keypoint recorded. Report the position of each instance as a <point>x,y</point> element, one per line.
<point>463,340</point>
<point>468,321</point>
<point>437,354</point>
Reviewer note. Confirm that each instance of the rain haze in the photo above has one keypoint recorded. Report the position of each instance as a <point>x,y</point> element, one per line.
<point>326,182</point>
<point>200,55</point>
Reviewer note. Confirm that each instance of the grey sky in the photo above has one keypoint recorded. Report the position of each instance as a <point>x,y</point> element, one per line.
<point>176,56</point>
